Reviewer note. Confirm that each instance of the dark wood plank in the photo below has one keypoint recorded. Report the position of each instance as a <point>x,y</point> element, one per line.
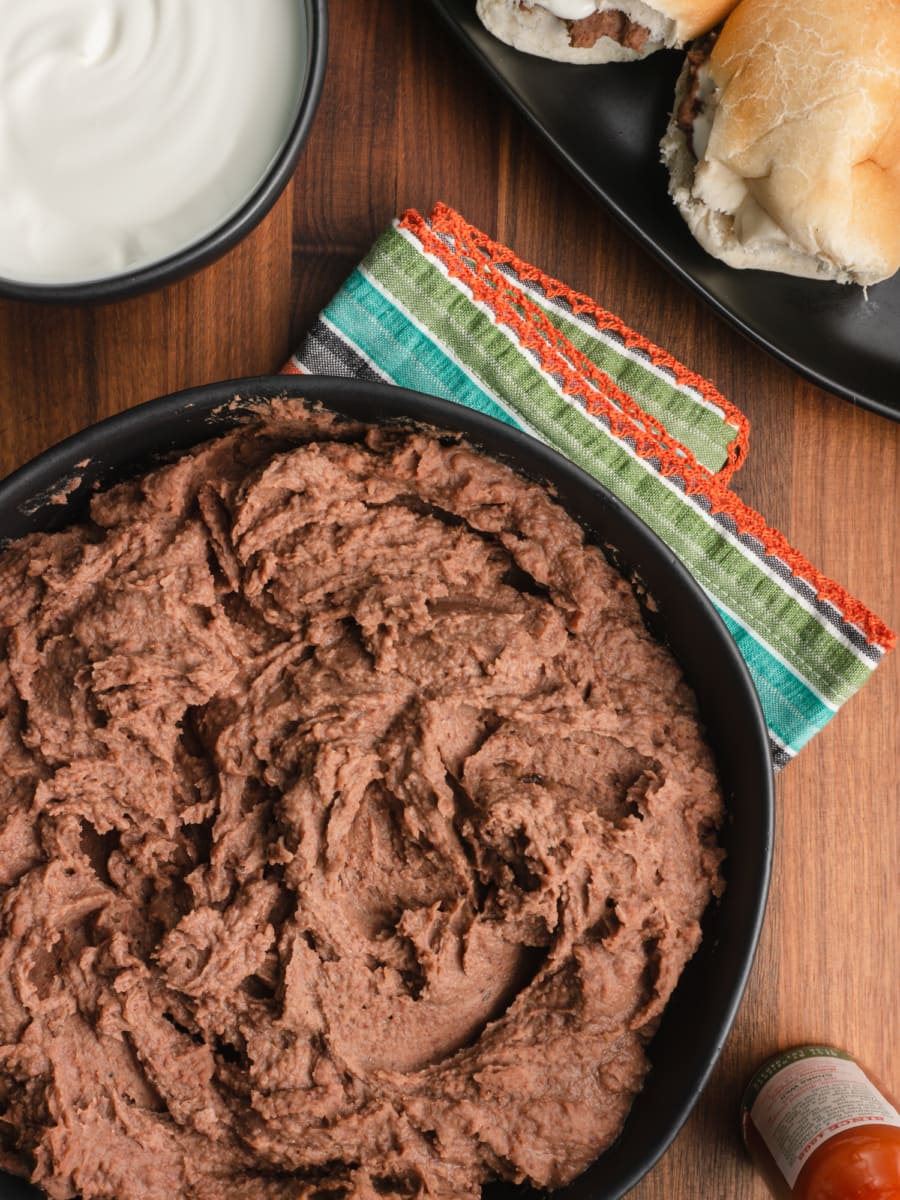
<point>62,368</point>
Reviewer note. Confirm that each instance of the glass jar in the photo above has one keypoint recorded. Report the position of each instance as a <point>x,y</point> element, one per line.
<point>819,1127</point>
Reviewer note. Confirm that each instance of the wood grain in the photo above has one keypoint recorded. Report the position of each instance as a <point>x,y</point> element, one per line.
<point>406,120</point>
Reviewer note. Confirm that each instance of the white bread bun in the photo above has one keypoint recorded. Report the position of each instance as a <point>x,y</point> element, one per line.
<point>547,27</point>
<point>794,162</point>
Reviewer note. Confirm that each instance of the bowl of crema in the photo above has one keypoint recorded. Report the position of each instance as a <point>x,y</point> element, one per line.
<point>142,139</point>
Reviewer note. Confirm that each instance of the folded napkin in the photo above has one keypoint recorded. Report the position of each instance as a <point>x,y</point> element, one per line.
<point>438,307</point>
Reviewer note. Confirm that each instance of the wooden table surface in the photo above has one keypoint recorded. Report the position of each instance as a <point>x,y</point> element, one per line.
<point>404,121</point>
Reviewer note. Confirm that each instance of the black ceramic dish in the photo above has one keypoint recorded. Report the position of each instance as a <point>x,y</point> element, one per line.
<point>605,123</point>
<point>704,1005</point>
<point>207,249</point>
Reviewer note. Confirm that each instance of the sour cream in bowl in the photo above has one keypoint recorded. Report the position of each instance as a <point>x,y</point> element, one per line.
<point>140,139</point>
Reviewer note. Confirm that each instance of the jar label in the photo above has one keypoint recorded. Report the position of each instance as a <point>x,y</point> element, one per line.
<point>810,1096</point>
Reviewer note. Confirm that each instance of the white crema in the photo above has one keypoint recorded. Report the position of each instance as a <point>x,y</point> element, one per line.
<point>569,10</point>
<point>130,129</point>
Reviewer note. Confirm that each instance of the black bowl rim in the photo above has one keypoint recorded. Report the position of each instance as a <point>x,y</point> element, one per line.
<point>236,400</point>
<point>214,245</point>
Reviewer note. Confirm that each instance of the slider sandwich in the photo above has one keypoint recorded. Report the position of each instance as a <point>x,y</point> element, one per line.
<point>599,31</point>
<point>784,145</point>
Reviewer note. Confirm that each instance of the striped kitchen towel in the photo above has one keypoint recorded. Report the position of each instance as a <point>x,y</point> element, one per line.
<point>438,307</point>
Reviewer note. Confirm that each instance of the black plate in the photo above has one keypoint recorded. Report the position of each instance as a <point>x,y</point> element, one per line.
<point>703,1007</point>
<point>605,123</point>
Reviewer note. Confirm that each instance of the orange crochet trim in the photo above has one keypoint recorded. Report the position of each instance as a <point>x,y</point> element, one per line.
<point>472,260</point>
<point>444,219</point>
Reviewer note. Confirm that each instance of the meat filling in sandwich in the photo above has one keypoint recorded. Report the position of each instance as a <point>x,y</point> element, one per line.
<point>697,85</point>
<point>610,23</point>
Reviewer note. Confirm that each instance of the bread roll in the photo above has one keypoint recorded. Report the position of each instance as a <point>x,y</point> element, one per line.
<point>784,144</point>
<point>598,31</point>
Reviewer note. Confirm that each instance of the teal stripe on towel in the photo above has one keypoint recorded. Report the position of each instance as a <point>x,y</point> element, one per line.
<point>794,713</point>
<point>385,335</point>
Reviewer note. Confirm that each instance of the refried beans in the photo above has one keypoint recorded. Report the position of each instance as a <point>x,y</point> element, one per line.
<point>354,831</point>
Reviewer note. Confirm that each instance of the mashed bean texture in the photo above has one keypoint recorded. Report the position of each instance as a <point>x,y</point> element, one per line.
<point>353,829</point>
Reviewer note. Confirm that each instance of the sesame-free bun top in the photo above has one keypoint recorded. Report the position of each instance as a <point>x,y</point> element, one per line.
<point>693,17</point>
<point>533,26</point>
<point>807,118</point>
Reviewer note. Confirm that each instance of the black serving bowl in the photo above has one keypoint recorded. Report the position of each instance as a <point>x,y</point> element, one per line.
<point>700,1014</point>
<point>234,228</point>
